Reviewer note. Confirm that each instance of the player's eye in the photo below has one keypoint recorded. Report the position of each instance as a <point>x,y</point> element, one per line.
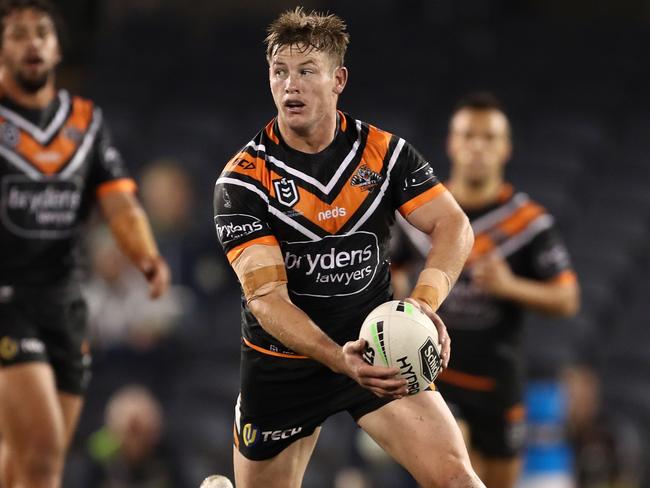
<point>305,72</point>
<point>18,34</point>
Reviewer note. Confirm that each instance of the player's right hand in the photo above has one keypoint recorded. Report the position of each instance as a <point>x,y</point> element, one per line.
<point>157,274</point>
<point>382,381</point>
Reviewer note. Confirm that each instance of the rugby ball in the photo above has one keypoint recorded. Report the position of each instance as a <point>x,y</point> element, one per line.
<point>400,335</point>
<point>216,481</point>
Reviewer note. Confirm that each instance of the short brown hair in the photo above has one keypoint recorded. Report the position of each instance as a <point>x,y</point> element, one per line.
<point>481,100</point>
<point>315,30</point>
<point>9,6</point>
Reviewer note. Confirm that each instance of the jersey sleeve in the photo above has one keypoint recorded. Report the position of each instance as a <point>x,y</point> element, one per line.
<point>240,217</point>
<point>550,258</point>
<point>415,182</point>
<point>109,173</point>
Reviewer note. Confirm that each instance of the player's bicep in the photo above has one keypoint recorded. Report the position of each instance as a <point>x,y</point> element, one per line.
<point>260,269</point>
<point>440,209</point>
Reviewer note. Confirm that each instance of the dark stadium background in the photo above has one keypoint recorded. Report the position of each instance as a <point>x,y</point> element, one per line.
<point>186,81</point>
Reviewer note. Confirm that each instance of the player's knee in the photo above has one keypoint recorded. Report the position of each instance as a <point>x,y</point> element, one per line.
<point>454,471</point>
<point>42,459</point>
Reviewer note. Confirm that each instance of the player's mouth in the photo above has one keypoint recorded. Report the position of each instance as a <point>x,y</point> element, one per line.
<point>33,61</point>
<point>294,106</point>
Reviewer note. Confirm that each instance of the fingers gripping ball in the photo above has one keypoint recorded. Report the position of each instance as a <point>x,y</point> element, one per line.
<point>400,335</point>
<point>216,481</point>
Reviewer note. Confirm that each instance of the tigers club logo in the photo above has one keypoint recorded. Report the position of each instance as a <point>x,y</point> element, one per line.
<point>286,192</point>
<point>365,178</point>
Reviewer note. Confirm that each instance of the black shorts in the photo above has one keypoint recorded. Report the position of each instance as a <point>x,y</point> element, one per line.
<point>46,324</point>
<point>496,421</point>
<point>284,399</point>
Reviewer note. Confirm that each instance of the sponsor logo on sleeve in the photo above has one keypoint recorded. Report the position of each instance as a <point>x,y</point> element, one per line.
<point>46,209</point>
<point>334,266</point>
<point>231,227</point>
<point>419,176</point>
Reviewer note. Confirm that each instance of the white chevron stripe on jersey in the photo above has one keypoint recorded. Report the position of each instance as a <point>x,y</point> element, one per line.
<point>382,190</point>
<point>310,179</point>
<point>20,163</point>
<point>519,240</point>
<point>300,228</point>
<point>86,145</point>
<point>42,136</point>
<point>497,215</point>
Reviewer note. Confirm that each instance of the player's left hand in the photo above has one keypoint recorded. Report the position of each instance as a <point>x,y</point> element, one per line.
<point>493,275</point>
<point>157,274</point>
<point>443,335</point>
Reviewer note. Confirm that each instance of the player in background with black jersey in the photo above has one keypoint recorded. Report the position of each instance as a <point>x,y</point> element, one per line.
<point>518,263</point>
<point>56,162</point>
<point>303,212</point>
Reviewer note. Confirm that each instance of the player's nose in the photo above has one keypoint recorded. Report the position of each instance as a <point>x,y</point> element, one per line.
<point>291,85</point>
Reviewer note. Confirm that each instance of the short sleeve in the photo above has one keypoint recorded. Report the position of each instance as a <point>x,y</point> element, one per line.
<point>109,172</point>
<point>415,182</point>
<point>240,217</point>
<point>550,258</point>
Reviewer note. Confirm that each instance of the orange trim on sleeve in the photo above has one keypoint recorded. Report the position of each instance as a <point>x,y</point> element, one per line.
<point>467,381</point>
<point>421,199</point>
<point>272,353</point>
<point>237,250</point>
<point>126,185</point>
<point>566,277</point>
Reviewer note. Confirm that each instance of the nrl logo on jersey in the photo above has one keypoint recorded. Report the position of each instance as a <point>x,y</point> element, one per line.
<point>365,178</point>
<point>286,192</point>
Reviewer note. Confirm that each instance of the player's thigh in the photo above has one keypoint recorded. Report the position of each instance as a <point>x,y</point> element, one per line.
<point>30,413</point>
<point>285,470</point>
<point>71,406</point>
<point>421,434</point>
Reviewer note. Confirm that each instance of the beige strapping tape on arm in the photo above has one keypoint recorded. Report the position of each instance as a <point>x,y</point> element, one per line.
<point>260,269</point>
<point>432,287</point>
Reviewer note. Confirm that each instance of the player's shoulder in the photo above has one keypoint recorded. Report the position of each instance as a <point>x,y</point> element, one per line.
<point>78,102</point>
<point>523,199</point>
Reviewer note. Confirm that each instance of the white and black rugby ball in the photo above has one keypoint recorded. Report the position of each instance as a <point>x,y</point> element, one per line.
<point>400,335</point>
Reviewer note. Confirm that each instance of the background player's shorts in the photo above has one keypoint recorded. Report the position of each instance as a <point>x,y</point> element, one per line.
<point>285,399</point>
<point>46,324</point>
<point>497,429</point>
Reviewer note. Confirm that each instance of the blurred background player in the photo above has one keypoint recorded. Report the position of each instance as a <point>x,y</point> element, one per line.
<point>56,161</point>
<point>129,452</point>
<point>518,263</point>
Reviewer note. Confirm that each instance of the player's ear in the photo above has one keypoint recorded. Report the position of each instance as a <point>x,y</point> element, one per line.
<point>340,78</point>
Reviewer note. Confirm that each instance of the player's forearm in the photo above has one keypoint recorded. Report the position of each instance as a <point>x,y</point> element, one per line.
<point>452,240</point>
<point>549,298</point>
<point>293,328</point>
<point>132,231</point>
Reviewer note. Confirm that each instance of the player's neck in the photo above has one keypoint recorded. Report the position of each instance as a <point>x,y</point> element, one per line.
<point>37,100</point>
<point>475,196</point>
<point>312,140</point>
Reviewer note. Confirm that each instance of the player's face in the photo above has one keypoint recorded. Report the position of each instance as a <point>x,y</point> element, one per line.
<point>479,145</point>
<point>30,48</point>
<point>305,86</point>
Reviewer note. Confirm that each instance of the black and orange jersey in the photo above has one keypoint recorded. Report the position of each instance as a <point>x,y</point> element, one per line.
<point>53,164</point>
<point>330,213</point>
<point>482,326</point>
